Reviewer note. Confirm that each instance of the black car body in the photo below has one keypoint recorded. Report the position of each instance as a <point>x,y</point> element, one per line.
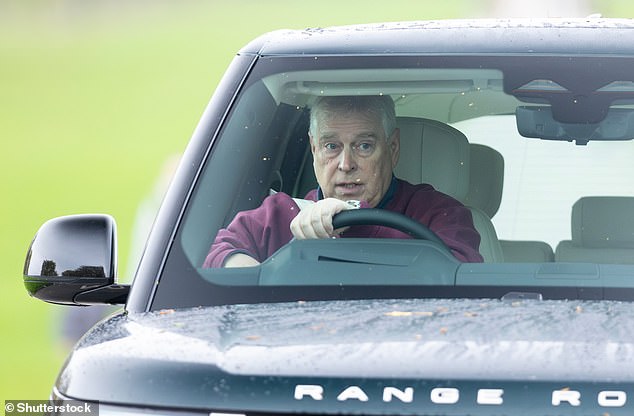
<point>370,326</point>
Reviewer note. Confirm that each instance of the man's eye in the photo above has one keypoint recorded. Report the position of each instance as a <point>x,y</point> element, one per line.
<point>365,147</point>
<point>330,146</point>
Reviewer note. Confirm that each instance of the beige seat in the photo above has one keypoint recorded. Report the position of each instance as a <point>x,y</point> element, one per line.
<point>602,231</point>
<point>486,184</point>
<point>486,178</point>
<point>436,153</point>
<point>527,251</point>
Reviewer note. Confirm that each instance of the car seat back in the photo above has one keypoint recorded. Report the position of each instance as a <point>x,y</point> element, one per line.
<point>438,154</point>
<point>486,183</point>
<point>602,231</point>
<point>435,153</point>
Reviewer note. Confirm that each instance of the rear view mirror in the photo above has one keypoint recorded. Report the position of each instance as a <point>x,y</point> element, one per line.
<point>538,122</point>
<point>72,260</point>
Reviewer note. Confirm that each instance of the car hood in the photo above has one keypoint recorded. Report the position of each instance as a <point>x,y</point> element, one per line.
<point>254,357</point>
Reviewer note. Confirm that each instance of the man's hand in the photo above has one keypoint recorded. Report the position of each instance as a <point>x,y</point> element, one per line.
<point>315,221</point>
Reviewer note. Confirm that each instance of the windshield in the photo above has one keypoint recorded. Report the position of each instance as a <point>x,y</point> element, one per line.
<point>519,169</point>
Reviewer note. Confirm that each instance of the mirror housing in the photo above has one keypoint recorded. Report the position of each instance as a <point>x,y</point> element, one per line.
<point>540,122</point>
<point>73,260</point>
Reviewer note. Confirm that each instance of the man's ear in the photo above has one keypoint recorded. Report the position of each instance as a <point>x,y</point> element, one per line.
<point>395,146</point>
<point>312,144</point>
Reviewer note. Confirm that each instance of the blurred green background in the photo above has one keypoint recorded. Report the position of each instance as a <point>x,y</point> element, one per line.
<point>96,95</point>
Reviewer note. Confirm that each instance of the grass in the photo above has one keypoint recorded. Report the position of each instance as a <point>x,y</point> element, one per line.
<point>94,96</point>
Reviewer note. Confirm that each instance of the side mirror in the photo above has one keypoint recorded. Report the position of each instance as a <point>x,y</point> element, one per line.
<point>73,260</point>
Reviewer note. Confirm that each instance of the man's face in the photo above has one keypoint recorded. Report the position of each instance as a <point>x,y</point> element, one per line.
<point>352,158</point>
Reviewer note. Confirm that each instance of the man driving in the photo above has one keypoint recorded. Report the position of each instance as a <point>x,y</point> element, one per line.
<point>355,146</point>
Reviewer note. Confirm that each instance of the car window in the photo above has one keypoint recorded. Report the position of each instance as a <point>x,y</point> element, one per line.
<point>543,179</point>
<point>553,206</point>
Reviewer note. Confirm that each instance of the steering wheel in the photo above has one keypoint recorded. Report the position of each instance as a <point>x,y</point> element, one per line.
<point>375,216</point>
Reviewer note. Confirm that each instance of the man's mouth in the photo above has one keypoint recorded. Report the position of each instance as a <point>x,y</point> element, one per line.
<point>348,187</point>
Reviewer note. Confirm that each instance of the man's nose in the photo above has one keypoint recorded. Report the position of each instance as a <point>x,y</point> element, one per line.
<point>346,160</point>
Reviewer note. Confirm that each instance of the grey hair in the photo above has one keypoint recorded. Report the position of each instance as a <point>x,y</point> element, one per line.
<point>379,105</point>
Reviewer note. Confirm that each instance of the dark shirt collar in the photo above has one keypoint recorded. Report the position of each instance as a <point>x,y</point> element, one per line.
<point>383,202</point>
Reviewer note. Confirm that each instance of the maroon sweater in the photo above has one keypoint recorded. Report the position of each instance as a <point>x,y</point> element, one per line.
<point>262,231</point>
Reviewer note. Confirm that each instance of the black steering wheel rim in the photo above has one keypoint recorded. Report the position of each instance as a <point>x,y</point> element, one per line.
<point>375,216</point>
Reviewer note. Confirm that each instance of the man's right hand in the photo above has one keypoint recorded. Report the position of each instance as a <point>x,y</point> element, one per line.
<point>315,220</point>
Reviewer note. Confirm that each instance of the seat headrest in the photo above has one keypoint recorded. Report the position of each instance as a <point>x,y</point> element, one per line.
<point>603,222</point>
<point>435,153</point>
<point>486,180</point>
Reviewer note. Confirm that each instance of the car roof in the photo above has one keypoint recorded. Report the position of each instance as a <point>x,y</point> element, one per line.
<point>589,36</point>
